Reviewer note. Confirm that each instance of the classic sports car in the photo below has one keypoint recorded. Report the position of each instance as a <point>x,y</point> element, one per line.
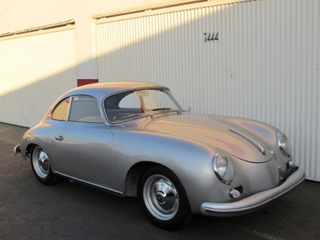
<point>133,139</point>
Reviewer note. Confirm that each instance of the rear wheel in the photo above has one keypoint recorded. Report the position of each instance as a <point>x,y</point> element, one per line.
<point>163,198</point>
<point>41,166</point>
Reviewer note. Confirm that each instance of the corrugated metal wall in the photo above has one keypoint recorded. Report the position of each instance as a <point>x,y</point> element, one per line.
<point>34,71</point>
<point>263,66</point>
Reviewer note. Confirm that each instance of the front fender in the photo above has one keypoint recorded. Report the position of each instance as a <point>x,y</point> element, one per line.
<point>190,161</point>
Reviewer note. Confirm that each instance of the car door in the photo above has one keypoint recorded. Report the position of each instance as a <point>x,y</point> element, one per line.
<point>83,145</point>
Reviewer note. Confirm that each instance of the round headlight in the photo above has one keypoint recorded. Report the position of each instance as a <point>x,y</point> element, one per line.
<point>284,144</point>
<point>223,168</point>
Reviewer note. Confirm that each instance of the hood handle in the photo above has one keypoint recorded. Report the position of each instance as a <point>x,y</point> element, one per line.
<point>253,142</point>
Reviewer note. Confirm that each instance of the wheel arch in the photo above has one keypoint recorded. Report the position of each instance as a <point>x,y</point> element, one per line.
<point>28,150</point>
<point>133,175</point>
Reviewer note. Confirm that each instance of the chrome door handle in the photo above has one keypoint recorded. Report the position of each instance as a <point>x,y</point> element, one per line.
<point>59,138</point>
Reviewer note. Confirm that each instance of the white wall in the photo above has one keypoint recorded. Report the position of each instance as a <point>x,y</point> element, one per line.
<point>23,14</point>
<point>265,65</point>
<point>17,15</point>
<point>34,71</point>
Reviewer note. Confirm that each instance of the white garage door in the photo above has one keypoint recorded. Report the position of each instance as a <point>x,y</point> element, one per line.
<point>34,71</point>
<point>256,59</point>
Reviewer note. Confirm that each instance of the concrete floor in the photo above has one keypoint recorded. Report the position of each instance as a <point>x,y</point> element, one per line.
<point>30,210</point>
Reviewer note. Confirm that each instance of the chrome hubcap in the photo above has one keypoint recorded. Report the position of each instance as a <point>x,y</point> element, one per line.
<point>43,158</point>
<point>40,161</point>
<point>161,197</point>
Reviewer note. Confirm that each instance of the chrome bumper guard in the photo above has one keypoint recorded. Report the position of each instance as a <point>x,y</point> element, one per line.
<point>255,201</point>
<point>17,150</point>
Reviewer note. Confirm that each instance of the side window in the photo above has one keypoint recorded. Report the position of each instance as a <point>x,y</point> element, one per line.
<point>60,112</point>
<point>85,109</point>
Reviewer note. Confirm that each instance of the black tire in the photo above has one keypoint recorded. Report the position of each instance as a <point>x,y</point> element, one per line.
<point>41,166</point>
<point>170,210</point>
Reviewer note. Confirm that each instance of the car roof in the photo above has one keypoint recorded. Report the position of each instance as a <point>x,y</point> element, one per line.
<point>101,90</point>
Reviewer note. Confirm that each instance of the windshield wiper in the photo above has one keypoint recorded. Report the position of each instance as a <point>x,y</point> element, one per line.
<point>135,116</point>
<point>159,109</point>
<point>130,116</point>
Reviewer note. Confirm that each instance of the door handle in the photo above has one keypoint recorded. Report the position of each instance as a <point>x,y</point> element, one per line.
<point>59,138</point>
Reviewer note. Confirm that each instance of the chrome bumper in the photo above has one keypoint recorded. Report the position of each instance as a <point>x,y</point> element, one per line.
<point>17,150</point>
<point>255,201</point>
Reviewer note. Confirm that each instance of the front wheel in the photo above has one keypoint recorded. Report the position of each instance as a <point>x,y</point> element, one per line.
<point>41,166</point>
<point>163,198</point>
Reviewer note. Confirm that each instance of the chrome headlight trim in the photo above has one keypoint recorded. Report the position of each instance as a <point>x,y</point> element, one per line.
<point>284,144</point>
<point>223,168</point>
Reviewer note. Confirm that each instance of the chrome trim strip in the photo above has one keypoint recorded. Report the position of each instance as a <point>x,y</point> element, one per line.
<point>256,144</point>
<point>255,201</point>
<point>69,107</point>
<point>89,183</point>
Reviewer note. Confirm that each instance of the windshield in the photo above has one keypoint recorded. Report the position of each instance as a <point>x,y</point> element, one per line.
<point>141,103</point>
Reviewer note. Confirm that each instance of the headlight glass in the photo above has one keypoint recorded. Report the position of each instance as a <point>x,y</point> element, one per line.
<point>284,144</point>
<point>223,168</point>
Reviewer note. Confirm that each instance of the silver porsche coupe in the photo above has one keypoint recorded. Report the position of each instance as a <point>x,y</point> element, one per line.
<point>134,139</point>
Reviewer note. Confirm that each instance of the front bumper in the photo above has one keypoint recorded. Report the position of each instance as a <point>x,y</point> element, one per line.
<point>255,201</point>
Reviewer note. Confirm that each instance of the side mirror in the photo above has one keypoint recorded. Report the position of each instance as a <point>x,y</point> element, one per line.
<point>189,109</point>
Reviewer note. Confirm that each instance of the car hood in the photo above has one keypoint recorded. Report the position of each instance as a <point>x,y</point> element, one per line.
<point>218,132</point>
